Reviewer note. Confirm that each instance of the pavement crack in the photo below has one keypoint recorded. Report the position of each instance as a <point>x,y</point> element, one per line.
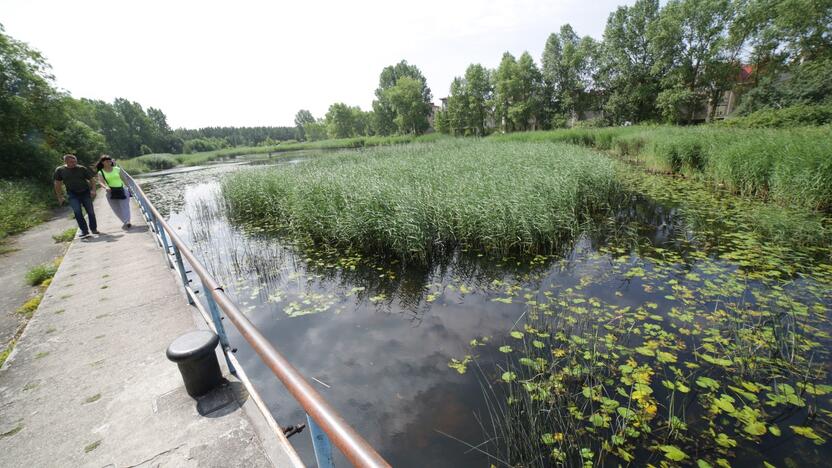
<point>170,450</point>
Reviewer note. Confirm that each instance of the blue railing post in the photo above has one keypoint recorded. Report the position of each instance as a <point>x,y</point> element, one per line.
<point>184,276</point>
<point>321,443</point>
<point>217,319</point>
<point>167,255</point>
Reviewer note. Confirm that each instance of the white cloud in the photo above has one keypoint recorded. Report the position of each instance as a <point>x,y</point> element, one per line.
<point>258,62</point>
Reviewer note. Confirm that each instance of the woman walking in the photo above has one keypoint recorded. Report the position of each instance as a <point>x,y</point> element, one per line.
<point>111,179</point>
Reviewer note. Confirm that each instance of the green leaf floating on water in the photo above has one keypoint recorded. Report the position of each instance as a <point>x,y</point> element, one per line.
<point>703,464</point>
<point>645,351</point>
<point>673,452</point>
<point>715,360</point>
<point>724,441</point>
<point>808,433</point>
<point>517,334</point>
<point>509,376</point>
<point>755,428</point>
<point>505,349</point>
<point>707,382</point>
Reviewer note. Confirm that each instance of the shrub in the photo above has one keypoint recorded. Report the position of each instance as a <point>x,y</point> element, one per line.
<point>795,116</point>
<point>23,204</point>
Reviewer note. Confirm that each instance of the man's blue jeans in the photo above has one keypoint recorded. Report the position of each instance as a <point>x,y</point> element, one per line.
<point>75,201</point>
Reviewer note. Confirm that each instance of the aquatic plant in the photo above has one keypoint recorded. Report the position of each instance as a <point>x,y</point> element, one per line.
<point>789,166</point>
<point>417,200</point>
<point>711,365</point>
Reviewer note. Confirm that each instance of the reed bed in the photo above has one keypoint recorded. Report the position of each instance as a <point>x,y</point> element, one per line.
<point>414,201</point>
<point>792,167</point>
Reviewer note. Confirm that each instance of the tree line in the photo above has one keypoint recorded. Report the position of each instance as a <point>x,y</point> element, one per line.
<point>403,105</point>
<point>39,122</point>
<point>654,64</point>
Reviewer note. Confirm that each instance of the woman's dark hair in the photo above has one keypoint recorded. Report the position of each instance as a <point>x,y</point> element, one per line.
<point>100,164</point>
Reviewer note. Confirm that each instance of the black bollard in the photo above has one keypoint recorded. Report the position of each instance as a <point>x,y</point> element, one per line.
<point>194,353</point>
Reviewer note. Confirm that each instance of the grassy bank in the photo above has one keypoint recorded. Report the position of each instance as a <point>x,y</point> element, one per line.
<point>415,200</point>
<point>161,161</point>
<point>23,204</point>
<point>791,167</point>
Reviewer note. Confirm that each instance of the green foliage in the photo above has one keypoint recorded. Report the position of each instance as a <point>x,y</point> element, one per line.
<point>413,99</point>
<point>406,100</point>
<point>200,145</point>
<point>795,116</point>
<point>23,204</point>
<point>40,273</point>
<point>302,118</point>
<point>788,166</point>
<point>417,200</point>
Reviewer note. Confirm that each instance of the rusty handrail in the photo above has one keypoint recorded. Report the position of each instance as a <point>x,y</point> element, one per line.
<point>354,447</point>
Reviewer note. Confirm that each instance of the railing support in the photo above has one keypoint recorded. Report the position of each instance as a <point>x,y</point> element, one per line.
<point>217,319</point>
<point>321,444</point>
<point>181,267</point>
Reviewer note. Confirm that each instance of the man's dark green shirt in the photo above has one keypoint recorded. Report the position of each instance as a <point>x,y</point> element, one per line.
<point>75,179</point>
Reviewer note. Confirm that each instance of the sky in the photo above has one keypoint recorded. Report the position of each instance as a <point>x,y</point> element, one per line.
<point>256,63</point>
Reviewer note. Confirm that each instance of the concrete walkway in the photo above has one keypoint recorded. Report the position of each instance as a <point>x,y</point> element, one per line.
<point>88,383</point>
<point>33,247</point>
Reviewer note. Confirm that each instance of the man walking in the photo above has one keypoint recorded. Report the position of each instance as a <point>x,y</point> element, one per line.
<point>80,190</point>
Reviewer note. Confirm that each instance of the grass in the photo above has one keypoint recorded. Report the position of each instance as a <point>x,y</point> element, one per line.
<point>791,167</point>
<point>65,236</point>
<point>23,204</point>
<point>417,200</point>
<point>41,273</point>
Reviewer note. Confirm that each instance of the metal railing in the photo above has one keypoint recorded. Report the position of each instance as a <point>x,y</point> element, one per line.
<point>324,423</point>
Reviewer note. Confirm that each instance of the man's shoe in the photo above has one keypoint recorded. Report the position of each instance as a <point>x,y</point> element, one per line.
<point>95,232</point>
<point>85,235</point>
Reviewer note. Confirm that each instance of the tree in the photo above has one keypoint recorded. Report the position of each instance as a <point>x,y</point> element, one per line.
<point>626,69</point>
<point>569,65</point>
<point>690,43</point>
<point>302,118</point>
<point>31,111</point>
<point>340,121</point>
<point>528,101</point>
<point>407,100</point>
<point>505,86</point>
<point>457,114</point>
<point>385,115</point>
<point>480,93</point>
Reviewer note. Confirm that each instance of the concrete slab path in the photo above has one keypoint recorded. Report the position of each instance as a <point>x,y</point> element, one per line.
<point>88,383</point>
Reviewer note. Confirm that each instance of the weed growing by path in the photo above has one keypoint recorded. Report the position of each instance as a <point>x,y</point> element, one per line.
<point>65,236</point>
<point>40,273</point>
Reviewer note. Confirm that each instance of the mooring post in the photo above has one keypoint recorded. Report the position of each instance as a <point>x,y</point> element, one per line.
<point>321,443</point>
<point>217,319</point>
